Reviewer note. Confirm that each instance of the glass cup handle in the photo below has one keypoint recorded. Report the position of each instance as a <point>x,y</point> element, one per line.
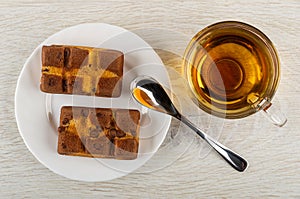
<point>273,113</point>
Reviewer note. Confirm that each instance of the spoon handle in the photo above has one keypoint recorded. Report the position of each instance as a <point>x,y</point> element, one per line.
<point>235,160</point>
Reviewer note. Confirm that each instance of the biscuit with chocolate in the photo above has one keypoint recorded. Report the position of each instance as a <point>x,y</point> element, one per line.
<point>95,132</point>
<point>81,70</point>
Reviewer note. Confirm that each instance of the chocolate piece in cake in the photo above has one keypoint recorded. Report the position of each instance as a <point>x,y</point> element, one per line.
<point>75,58</point>
<point>111,60</point>
<point>128,120</point>
<point>126,148</point>
<point>69,143</point>
<point>112,133</point>
<point>99,147</point>
<point>93,132</point>
<point>109,87</point>
<point>104,118</point>
<point>51,83</point>
<point>53,56</point>
<point>96,71</point>
<point>101,117</point>
<point>66,115</point>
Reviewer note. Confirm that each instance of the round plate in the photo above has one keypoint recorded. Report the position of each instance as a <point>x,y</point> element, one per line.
<point>37,113</point>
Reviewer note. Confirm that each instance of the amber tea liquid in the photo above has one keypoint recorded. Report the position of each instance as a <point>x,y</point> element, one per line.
<point>230,71</point>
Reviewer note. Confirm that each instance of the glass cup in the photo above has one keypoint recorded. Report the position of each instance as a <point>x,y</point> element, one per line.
<point>232,69</point>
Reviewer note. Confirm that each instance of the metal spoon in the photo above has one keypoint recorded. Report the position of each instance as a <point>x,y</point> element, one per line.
<point>148,92</point>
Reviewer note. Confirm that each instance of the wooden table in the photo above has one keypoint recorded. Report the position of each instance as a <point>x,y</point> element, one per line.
<point>184,167</point>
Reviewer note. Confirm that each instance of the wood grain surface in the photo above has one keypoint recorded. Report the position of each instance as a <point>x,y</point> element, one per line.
<point>184,167</point>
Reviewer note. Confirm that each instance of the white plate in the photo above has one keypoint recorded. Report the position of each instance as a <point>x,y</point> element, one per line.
<point>37,113</point>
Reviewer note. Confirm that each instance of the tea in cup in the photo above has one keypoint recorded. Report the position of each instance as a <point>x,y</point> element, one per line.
<point>233,71</point>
